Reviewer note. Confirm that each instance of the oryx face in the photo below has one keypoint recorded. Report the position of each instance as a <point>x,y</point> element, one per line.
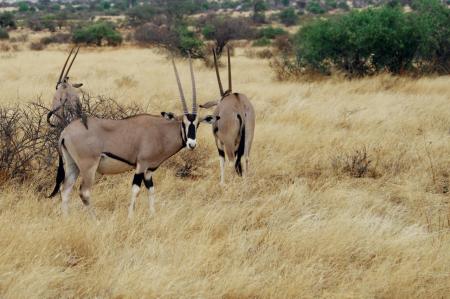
<point>189,125</point>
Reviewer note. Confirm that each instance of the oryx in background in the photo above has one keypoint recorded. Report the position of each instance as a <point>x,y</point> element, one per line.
<point>235,129</point>
<point>140,142</point>
<point>66,104</point>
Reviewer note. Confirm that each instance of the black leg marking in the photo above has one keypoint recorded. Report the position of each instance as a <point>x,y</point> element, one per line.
<point>83,198</point>
<point>221,153</point>
<point>148,183</point>
<point>137,179</point>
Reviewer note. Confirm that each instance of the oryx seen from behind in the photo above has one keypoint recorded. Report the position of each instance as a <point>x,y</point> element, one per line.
<point>66,105</point>
<point>234,131</point>
<point>140,142</point>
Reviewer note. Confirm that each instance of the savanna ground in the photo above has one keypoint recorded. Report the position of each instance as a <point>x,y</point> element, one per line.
<point>315,218</point>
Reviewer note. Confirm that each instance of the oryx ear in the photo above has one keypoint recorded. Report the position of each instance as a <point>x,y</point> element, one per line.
<point>209,104</point>
<point>77,85</point>
<point>168,115</point>
<point>210,119</point>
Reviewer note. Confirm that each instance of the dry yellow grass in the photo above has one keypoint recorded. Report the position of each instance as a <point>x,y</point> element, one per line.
<point>300,227</point>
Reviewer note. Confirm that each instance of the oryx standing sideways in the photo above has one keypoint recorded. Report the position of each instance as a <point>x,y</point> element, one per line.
<point>235,129</point>
<point>140,142</point>
<point>66,104</point>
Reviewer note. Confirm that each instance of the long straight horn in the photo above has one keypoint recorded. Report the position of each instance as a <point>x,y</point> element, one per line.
<point>64,67</point>
<point>180,88</point>
<point>194,92</point>
<point>229,70</point>
<point>217,73</point>
<point>70,65</point>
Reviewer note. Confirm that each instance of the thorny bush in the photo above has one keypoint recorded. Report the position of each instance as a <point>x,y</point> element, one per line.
<point>28,144</point>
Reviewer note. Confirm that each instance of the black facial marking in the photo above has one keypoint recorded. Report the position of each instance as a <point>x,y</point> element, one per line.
<point>191,117</point>
<point>152,169</point>
<point>148,183</point>
<point>137,179</point>
<point>215,129</point>
<point>221,153</point>
<point>191,131</point>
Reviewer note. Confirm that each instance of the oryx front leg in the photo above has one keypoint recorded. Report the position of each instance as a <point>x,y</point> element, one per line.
<point>88,178</point>
<point>135,188</point>
<point>148,181</point>
<point>222,164</point>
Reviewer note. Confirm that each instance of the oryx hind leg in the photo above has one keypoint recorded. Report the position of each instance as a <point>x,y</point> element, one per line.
<point>88,178</point>
<point>71,175</point>
<point>148,181</point>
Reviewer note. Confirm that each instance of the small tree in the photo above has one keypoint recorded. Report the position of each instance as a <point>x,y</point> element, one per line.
<point>140,15</point>
<point>222,29</point>
<point>288,16</point>
<point>179,39</point>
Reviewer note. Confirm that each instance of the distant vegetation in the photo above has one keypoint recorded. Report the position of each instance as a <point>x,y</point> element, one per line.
<point>384,37</point>
<point>97,34</point>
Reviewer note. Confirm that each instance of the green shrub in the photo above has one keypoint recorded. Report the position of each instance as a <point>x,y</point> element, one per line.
<point>188,42</point>
<point>97,33</point>
<point>23,6</point>
<point>314,7</point>
<point>271,32</point>
<point>262,42</point>
<point>288,16</point>
<point>331,4</point>
<point>374,40</point>
<point>7,20</point>
<point>3,34</point>
<point>432,22</point>
<point>360,42</point>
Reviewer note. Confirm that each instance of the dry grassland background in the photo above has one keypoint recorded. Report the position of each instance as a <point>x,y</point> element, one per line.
<point>347,195</point>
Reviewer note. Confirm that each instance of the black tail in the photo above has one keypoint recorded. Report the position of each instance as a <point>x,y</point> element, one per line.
<point>49,115</point>
<point>59,177</point>
<point>240,151</point>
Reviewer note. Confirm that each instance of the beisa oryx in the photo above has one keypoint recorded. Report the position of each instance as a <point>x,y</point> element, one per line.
<point>140,142</point>
<point>66,105</point>
<point>235,129</point>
